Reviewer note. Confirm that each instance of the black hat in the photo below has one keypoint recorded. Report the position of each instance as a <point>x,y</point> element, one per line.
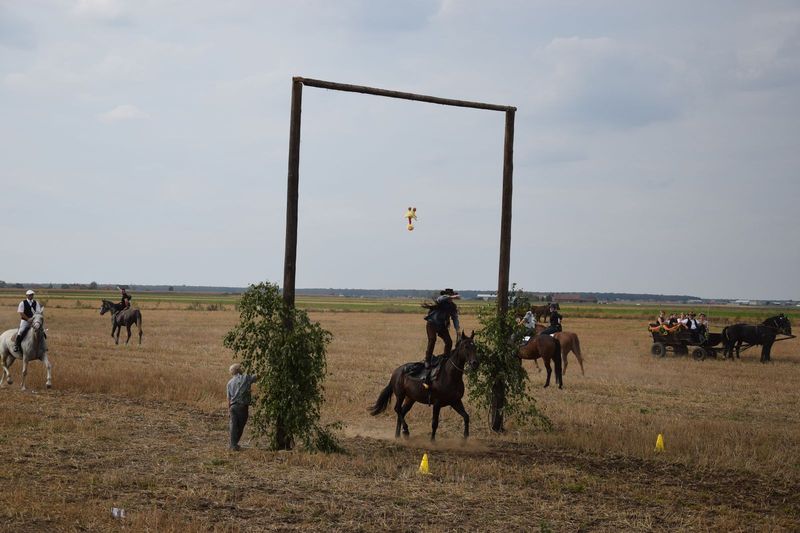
<point>448,291</point>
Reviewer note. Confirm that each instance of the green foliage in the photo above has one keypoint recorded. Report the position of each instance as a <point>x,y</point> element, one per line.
<point>518,301</point>
<point>290,365</point>
<point>498,343</point>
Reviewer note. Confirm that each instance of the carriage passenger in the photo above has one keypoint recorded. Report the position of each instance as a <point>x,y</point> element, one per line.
<point>662,319</point>
<point>26,309</point>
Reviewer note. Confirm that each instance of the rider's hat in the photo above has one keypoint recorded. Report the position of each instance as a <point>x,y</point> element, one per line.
<point>448,291</point>
<point>29,293</point>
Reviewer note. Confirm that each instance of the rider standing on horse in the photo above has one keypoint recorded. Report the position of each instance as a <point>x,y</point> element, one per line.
<point>555,321</point>
<point>438,322</point>
<point>26,309</point>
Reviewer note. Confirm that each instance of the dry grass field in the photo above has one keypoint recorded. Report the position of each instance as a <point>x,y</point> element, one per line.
<point>144,428</point>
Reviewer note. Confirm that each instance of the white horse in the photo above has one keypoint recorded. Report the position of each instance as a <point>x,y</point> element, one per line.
<point>34,346</point>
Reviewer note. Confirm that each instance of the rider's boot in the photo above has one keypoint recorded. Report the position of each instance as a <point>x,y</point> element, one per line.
<point>427,382</point>
<point>17,344</point>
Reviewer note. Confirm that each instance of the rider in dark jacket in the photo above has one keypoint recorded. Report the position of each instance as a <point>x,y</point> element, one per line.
<point>555,321</point>
<point>438,322</point>
<point>125,300</point>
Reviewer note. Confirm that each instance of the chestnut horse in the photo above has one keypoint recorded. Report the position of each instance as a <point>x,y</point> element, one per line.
<point>446,389</point>
<point>569,343</point>
<point>549,349</point>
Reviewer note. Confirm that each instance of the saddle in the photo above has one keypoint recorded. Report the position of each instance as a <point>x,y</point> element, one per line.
<point>417,370</point>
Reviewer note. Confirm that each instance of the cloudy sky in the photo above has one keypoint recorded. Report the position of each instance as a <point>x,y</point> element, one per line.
<point>657,143</point>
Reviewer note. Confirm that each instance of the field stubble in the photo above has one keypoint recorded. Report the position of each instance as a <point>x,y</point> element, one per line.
<point>144,427</point>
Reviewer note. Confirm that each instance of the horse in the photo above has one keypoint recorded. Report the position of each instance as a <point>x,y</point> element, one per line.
<point>549,349</point>
<point>122,317</point>
<point>763,334</point>
<point>446,389</point>
<point>34,347</point>
<point>569,343</point>
<point>541,312</point>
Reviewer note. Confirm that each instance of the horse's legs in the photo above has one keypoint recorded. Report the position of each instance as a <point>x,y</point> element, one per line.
<point>564,353</point>
<point>24,371</point>
<point>765,352</point>
<point>435,420</point>
<point>549,371</point>
<point>6,373</point>
<point>128,327</point>
<point>398,408</point>
<point>116,339</point>
<point>8,360</point>
<point>49,368</point>
<point>738,348</point>
<point>458,407</point>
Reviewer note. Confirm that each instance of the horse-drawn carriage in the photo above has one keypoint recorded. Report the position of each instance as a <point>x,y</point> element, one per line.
<point>681,340</point>
<point>733,339</point>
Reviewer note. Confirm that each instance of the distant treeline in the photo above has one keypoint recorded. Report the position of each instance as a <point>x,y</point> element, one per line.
<point>601,297</point>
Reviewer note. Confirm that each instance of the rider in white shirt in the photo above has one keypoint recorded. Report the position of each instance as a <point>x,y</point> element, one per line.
<point>26,309</point>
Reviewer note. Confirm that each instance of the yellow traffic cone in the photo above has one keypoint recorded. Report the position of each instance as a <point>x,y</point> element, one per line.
<point>423,466</point>
<point>660,443</point>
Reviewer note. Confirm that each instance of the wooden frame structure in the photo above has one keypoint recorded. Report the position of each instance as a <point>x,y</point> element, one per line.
<point>290,257</point>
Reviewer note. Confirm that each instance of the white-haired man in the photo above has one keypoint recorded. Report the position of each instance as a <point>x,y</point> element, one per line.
<point>238,403</point>
<point>26,309</point>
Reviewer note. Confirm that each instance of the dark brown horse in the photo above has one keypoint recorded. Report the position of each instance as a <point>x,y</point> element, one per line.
<point>446,389</point>
<point>569,343</point>
<point>122,317</point>
<point>549,349</point>
<point>541,312</point>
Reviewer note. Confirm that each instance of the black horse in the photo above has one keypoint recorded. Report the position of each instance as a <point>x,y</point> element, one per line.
<point>122,317</point>
<point>763,335</point>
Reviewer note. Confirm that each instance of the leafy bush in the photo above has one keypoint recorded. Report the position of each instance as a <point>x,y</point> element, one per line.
<point>498,342</point>
<point>289,363</point>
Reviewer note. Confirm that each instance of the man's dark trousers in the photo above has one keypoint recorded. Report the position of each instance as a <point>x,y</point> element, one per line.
<point>239,414</point>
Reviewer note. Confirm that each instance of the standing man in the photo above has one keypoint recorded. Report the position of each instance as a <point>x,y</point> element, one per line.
<point>555,321</point>
<point>238,403</point>
<point>26,309</point>
<point>438,324</point>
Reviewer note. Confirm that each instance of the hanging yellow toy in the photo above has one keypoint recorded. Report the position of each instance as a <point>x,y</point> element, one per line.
<point>411,214</point>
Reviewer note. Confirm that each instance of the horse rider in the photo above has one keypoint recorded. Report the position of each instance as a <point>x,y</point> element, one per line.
<point>555,321</point>
<point>438,324</point>
<point>125,301</point>
<point>26,309</point>
<point>529,321</point>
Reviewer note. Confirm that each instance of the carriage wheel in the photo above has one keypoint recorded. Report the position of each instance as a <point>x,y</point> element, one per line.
<point>699,354</point>
<point>658,349</point>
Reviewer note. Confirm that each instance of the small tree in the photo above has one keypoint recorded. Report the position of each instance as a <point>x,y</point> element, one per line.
<point>286,351</point>
<point>498,343</point>
<point>93,285</point>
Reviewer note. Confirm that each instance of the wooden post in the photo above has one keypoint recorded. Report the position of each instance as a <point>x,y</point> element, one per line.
<point>499,388</point>
<point>290,255</point>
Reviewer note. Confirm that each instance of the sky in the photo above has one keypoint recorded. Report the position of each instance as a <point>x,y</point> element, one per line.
<point>657,144</point>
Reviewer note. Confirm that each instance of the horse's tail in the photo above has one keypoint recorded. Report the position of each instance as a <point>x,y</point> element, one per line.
<point>557,361</point>
<point>383,400</point>
<point>576,347</point>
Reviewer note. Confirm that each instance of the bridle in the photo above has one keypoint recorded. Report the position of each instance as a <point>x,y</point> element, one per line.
<point>450,360</point>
